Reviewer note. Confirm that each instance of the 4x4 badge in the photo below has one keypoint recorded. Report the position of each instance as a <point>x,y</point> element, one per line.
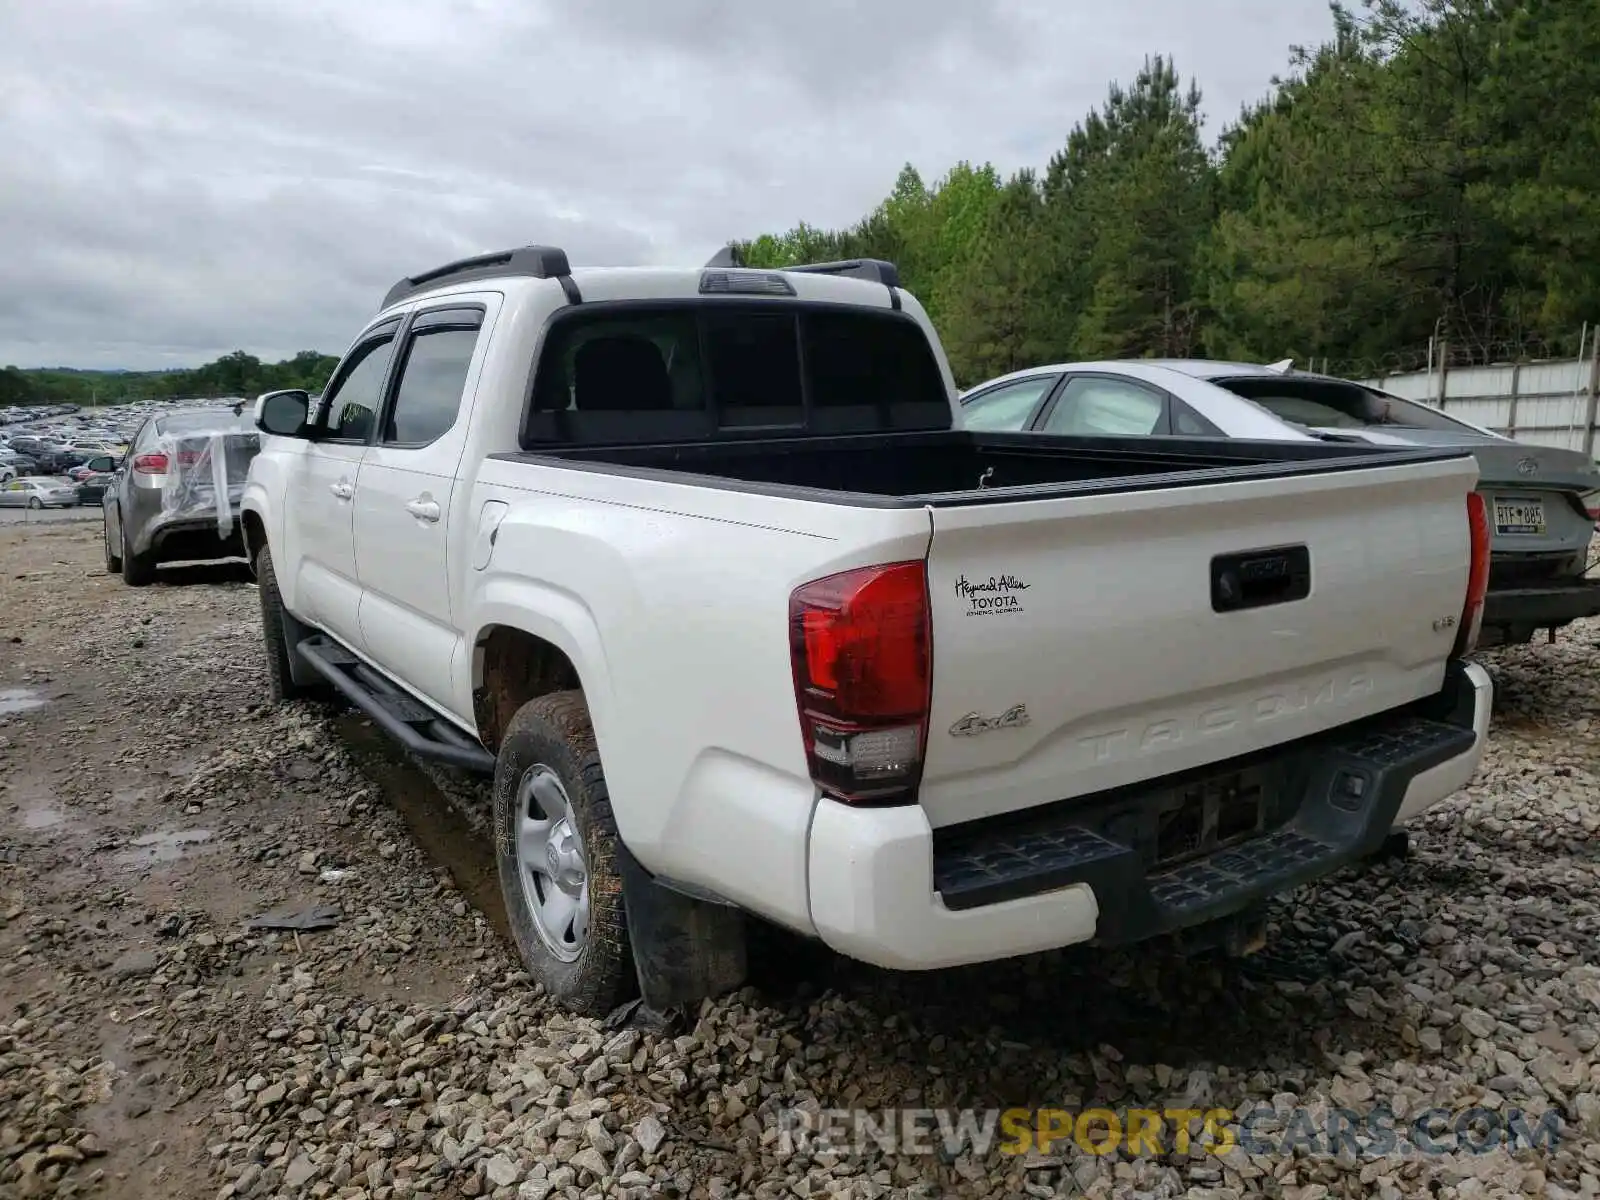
<point>973,723</point>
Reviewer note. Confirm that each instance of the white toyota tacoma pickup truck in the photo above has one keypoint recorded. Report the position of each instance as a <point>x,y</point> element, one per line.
<point>694,563</point>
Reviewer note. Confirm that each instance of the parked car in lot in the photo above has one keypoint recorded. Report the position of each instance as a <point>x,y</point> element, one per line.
<point>38,492</point>
<point>17,464</point>
<point>49,457</point>
<point>1541,501</point>
<point>176,497</point>
<point>92,488</point>
<point>98,464</point>
<point>694,563</point>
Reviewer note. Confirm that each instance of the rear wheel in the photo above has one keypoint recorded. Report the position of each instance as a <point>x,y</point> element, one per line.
<point>138,570</point>
<point>113,559</point>
<point>35,502</point>
<point>556,849</point>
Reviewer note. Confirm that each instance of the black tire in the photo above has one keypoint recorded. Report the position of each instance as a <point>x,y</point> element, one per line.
<point>35,503</point>
<point>113,560</point>
<point>138,570</point>
<point>274,632</point>
<point>554,731</point>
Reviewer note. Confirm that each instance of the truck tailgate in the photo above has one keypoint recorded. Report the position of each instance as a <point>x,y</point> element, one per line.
<point>1092,642</point>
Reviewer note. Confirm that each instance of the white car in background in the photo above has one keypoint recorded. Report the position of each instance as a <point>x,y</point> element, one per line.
<point>1541,500</point>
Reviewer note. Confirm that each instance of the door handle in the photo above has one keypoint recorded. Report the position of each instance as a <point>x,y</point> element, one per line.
<point>343,489</point>
<point>423,508</point>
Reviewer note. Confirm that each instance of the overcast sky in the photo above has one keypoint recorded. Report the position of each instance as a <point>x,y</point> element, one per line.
<point>181,178</point>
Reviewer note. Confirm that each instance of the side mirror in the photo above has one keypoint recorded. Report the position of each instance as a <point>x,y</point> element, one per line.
<point>284,413</point>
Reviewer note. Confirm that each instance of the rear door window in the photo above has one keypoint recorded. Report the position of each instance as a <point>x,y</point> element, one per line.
<point>432,376</point>
<point>1100,406</point>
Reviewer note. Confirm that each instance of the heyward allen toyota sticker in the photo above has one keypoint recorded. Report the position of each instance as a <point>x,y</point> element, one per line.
<point>994,596</point>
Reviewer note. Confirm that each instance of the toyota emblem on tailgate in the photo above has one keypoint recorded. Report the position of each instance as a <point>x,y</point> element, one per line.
<point>1527,466</point>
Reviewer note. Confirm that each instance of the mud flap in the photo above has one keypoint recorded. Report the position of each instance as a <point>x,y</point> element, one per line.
<point>684,949</point>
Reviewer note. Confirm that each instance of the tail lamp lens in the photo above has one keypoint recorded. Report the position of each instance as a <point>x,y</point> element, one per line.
<point>1477,575</point>
<point>861,651</point>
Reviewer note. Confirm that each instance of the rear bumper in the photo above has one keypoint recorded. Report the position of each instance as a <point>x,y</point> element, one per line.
<point>1541,607</point>
<point>186,533</point>
<point>189,539</point>
<point>887,889</point>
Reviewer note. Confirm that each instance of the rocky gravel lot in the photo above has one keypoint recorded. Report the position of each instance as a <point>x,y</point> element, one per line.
<point>153,1044</point>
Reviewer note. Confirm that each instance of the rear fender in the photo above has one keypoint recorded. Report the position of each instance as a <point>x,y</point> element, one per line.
<point>558,618</point>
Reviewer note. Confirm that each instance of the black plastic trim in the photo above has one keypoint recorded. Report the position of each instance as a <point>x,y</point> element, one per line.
<point>1317,804</point>
<point>1542,607</point>
<point>530,262</point>
<point>408,721</point>
<point>1258,460</point>
<point>1260,578</point>
<point>875,270</point>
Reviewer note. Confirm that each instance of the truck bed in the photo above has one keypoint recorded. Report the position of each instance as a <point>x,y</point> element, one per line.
<point>944,468</point>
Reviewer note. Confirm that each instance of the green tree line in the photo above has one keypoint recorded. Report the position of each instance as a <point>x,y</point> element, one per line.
<point>235,374</point>
<point>1432,171</point>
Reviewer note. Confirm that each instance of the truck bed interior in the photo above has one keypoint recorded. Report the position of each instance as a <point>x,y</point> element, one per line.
<point>955,466</point>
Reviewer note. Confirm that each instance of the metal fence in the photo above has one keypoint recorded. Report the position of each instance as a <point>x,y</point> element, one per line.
<point>1548,403</point>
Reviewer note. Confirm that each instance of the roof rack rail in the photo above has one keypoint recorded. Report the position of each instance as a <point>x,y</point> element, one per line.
<point>533,262</point>
<point>875,270</point>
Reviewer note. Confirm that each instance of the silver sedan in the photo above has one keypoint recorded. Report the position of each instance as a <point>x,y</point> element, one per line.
<point>37,491</point>
<point>1540,501</point>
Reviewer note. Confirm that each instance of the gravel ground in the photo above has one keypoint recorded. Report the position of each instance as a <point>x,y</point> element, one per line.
<point>153,1045</point>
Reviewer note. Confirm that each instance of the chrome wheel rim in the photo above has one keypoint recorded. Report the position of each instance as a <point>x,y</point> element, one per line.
<point>552,867</point>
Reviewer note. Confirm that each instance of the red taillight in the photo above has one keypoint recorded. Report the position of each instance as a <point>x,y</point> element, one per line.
<point>1477,575</point>
<point>150,464</point>
<point>861,649</point>
<point>1590,501</point>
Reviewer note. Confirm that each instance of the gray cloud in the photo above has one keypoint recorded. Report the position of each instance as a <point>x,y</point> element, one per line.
<point>179,178</point>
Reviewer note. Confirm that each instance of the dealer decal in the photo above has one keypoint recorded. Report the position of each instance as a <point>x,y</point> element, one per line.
<point>995,596</point>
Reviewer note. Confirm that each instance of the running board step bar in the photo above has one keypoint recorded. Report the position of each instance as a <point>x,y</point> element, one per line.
<point>410,722</point>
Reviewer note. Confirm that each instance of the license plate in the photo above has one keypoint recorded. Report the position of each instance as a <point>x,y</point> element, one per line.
<point>1519,516</point>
